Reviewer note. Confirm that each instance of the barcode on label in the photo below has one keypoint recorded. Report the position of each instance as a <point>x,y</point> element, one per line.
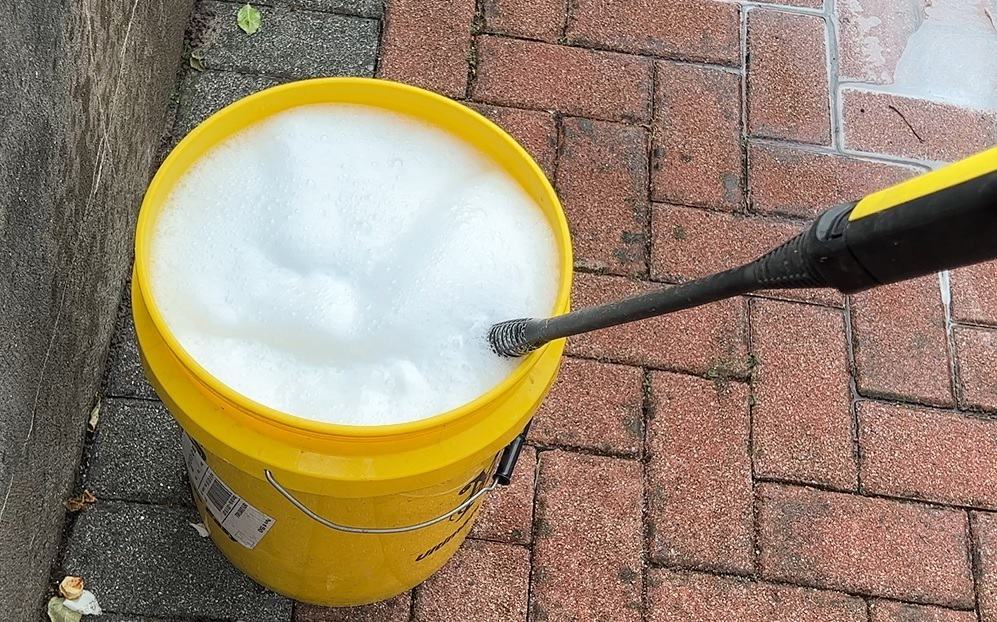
<point>219,495</point>
<point>246,525</point>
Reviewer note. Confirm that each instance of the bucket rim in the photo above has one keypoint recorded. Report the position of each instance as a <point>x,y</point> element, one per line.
<point>148,211</point>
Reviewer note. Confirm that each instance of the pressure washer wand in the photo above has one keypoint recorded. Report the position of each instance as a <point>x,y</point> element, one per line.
<point>937,221</point>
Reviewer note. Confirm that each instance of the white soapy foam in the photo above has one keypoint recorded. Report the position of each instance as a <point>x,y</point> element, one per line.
<point>952,57</point>
<point>948,55</point>
<point>344,263</point>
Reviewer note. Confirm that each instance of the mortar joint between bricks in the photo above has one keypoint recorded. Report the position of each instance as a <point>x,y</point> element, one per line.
<point>710,569</point>
<point>914,501</point>
<point>743,110</point>
<point>588,451</point>
<point>600,48</point>
<point>865,156</point>
<point>745,164</point>
<point>755,514</point>
<point>854,394</point>
<point>984,414</point>
<point>923,165</point>
<point>702,374</point>
<point>649,138</point>
<point>565,21</point>
<point>476,26</point>
<point>975,568</point>
<point>782,8</point>
<point>812,585</point>
<point>382,23</point>
<point>906,400</point>
<point>413,596</point>
<point>558,146</point>
<point>647,407</point>
<point>837,117</point>
<point>647,412</point>
<point>951,349</point>
<point>534,529</point>
<point>973,324</point>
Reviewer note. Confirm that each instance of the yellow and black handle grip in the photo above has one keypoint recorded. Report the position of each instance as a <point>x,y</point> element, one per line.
<point>937,221</point>
<point>940,220</point>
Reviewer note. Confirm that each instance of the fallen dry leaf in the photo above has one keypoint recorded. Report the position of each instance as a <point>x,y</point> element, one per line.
<point>94,417</point>
<point>57,612</point>
<point>249,19</point>
<point>71,587</point>
<point>80,501</point>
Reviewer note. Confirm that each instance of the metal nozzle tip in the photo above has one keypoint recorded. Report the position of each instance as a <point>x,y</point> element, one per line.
<point>509,338</point>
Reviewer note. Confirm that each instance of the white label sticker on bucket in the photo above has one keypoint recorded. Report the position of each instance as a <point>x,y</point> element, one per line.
<point>243,522</point>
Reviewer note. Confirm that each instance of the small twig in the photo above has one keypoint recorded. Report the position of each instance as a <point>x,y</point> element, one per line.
<point>913,131</point>
<point>990,14</point>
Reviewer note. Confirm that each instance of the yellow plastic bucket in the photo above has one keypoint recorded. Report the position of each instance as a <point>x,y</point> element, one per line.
<point>334,514</point>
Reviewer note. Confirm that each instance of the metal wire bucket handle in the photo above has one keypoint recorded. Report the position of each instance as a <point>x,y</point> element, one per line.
<point>502,477</point>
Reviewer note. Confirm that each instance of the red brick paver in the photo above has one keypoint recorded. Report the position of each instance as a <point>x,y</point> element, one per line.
<point>602,182</point>
<point>393,610</point>
<point>690,243</point>
<point>973,297</point>
<point>872,35</point>
<point>654,457</point>
<point>693,597</point>
<point>900,342</point>
<point>787,77</point>
<point>426,43</point>
<point>527,74</point>
<point>596,406</point>
<point>697,156</point>
<point>804,182</point>
<point>532,19</point>
<point>699,474</point>
<point>802,413</point>
<point>534,130</point>
<point>909,127</point>
<point>885,548</point>
<point>927,454</point>
<point>507,514</point>
<point>891,611</point>
<point>587,561</point>
<point>977,348</point>
<point>712,338</point>
<point>483,581</point>
<point>697,30</point>
<point>984,527</point>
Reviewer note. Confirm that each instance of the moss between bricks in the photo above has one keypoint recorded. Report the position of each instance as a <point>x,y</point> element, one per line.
<point>722,371</point>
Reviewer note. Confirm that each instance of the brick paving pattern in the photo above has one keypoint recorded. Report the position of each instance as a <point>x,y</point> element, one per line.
<point>781,457</point>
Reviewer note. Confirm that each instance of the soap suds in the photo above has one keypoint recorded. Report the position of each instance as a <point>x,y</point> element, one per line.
<point>939,50</point>
<point>952,56</point>
<point>343,264</point>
